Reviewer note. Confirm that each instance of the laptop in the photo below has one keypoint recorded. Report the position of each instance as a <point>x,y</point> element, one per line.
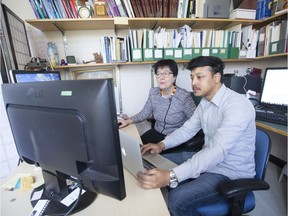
<point>133,160</point>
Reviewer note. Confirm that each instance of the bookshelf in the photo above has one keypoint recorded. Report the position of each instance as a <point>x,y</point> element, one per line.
<point>120,23</point>
<point>134,23</point>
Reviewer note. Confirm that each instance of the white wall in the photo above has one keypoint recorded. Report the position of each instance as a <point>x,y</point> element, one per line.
<point>135,79</point>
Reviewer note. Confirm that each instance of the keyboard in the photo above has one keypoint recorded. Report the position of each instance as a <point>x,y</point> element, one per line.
<point>271,116</point>
<point>147,165</point>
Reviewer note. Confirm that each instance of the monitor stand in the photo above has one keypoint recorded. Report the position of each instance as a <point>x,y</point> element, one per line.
<point>56,207</point>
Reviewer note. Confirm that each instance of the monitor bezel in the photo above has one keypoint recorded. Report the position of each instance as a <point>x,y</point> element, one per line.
<point>270,105</point>
<point>13,74</point>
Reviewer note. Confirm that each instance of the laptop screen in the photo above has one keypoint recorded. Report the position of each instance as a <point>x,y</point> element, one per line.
<point>20,76</point>
<point>274,91</point>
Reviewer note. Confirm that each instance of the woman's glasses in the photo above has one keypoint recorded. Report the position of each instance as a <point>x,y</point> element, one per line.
<point>164,74</point>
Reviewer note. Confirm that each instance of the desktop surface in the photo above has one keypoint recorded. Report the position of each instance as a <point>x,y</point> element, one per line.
<point>137,202</point>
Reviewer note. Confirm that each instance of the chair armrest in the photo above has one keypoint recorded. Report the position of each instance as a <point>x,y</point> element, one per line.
<point>195,143</point>
<point>242,186</point>
<point>152,121</point>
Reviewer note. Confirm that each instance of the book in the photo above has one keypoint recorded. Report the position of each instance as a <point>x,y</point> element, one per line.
<point>120,7</point>
<point>113,7</point>
<point>73,8</point>
<point>34,9</point>
<point>61,8</point>
<point>64,3</point>
<point>40,12</point>
<point>135,8</point>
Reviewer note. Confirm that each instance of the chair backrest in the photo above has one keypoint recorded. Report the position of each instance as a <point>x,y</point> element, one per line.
<point>196,99</point>
<point>262,153</point>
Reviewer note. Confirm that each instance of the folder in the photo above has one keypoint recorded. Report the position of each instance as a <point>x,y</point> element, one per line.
<point>214,52</point>
<point>187,53</point>
<point>148,54</point>
<point>178,53</point>
<point>205,51</point>
<point>223,53</point>
<point>158,54</point>
<point>168,53</point>
<point>197,52</point>
<point>233,53</point>
<point>137,55</point>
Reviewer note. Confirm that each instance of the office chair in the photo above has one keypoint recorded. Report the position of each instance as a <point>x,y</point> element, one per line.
<point>240,198</point>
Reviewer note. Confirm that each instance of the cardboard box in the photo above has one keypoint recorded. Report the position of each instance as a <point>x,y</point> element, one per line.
<point>242,14</point>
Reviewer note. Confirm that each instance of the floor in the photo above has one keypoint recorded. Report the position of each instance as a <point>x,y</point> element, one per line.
<point>274,201</point>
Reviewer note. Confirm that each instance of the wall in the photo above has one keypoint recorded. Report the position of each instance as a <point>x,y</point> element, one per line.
<point>135,79</point>
<point>9,157</point>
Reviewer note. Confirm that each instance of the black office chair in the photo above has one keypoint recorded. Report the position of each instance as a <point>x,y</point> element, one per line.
<point>239,193</point>
<point>193,144</point>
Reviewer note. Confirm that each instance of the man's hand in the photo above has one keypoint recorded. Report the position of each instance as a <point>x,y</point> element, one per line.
<point>152,148</point>
<point>154,178</point>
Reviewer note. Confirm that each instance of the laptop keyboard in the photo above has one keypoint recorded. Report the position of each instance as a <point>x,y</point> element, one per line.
<point>147,165</point>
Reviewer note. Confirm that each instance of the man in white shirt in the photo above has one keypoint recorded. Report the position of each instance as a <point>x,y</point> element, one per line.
<point>228,122</point>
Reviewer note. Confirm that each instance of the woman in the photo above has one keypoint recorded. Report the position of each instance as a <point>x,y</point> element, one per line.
<point>169,104</point>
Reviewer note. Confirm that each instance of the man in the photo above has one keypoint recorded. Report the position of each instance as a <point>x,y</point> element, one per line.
<point>228,122</point>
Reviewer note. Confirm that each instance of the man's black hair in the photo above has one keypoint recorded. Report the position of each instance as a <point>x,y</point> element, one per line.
<point>216,64</point>
<point>171,64</point>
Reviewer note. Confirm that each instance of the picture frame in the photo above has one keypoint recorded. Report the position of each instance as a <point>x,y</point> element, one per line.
<point>98,73</point>
<point>100,9</point>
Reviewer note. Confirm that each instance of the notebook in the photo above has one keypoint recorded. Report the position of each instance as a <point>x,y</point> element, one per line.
<point>132,157</point>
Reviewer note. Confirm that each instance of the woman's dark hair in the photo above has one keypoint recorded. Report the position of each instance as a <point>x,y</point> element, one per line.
<point>166,63</point>
<point>216,64</point>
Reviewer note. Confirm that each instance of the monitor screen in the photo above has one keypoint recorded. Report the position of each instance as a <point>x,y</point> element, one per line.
<point>274,90</point>
<point>70,130</point>
<point>20,76</point>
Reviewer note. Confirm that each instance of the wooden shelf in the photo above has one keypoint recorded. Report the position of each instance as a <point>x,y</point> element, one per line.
<point>134,63</point>
<point>272,56</point>
<point>134,23</point>
<point>72,24</point>
<point>264,22</point>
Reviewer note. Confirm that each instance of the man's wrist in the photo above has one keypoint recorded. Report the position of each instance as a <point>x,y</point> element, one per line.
<point>162,146</point>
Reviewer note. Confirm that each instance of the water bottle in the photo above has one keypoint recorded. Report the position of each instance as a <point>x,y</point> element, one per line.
<point>51,54</point>
<point>56,54</point>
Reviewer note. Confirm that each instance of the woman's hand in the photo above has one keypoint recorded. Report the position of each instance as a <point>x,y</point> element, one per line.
<point>125,122</point>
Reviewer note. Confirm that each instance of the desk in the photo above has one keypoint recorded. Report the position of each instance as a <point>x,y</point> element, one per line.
<point>276,128</point>
<point>137,201</point>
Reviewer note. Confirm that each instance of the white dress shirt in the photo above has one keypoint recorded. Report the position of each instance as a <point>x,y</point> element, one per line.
<point>228,122</point>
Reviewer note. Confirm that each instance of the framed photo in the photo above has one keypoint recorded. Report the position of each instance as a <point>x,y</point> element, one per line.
<point>99,73</point>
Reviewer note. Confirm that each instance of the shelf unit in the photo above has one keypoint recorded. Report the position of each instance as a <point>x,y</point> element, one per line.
<point>150,23</point>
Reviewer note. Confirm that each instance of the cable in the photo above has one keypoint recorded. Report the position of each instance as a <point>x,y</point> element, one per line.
<point>244,86</point>
<point>75,203</point>
<point>79,196</point>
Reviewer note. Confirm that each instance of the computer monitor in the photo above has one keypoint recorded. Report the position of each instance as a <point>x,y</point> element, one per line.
<point>19,76</point>
<point>274,90</point>
<point>68,128</point>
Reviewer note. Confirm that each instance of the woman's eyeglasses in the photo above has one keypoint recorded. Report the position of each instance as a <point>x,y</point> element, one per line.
<point>164,74</point>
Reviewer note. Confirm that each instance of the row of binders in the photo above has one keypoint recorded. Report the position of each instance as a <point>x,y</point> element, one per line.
<point>182,43</point>
<point>268,40</point>
<point>59,9</point>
